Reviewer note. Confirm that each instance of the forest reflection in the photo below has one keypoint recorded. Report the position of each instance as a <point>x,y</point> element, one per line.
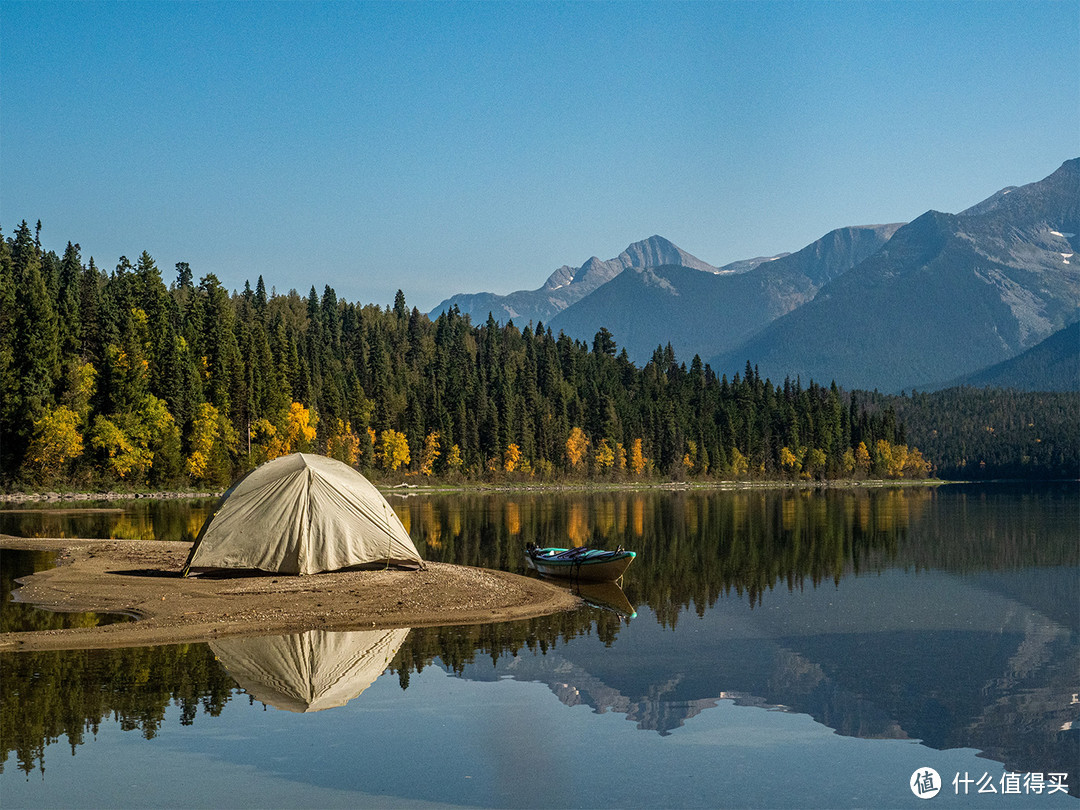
<point>139,519</point>
<point>693,547</point>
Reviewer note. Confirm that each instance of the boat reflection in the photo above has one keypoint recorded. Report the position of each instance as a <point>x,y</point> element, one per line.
<point>605,595</point>
<point>309,671</point>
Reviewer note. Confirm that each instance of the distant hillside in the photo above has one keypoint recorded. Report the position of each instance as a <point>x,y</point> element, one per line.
<point>570,284</point>
<point>983,433</point>
<point>948,294</point>
<point>1053,365</point>
<point>702,313</point>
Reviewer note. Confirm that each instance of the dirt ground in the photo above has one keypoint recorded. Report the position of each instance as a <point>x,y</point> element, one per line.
<point>142,578</point>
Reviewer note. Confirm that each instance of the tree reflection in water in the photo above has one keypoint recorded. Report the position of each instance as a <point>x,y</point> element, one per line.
<point>694,549</point>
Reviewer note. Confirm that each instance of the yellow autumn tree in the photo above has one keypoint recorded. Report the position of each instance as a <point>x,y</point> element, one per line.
<point>916,466</point>
<point>847,463</point>
<point>815,462</point>
<point>56,440</point>
<point>638,462</point>
<point>897,460</point>
<point>883,457</point>
<point>344,445</point>
<point>511,458</point>
<point>789,461</point>
<point>862,459</point>
<point>577,443</point>
<point>81,385</point>
<point>122,455</point>
<point>620,457</point>
<point>266,444</point>
<point>690,456</point>
<point>604,456</point>
<point>740,466</point>
<point>157,430</point>
<point>369,451</point>
<point>213,441</point>
<point>393,450</point>
<point>430,454</point>
<point>454,459</point>
<point>204,431</point>
<point>299,430</point>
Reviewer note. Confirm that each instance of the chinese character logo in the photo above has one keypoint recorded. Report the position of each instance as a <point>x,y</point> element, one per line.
<point>925,783</point>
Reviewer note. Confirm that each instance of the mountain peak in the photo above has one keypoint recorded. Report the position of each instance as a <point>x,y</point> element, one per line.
<point>570,284</point>
<point>1055,195</point>
<point>656,251</point>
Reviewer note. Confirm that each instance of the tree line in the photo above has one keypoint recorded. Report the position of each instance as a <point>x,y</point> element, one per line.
<point>992,433</point>
<point>115,378</point>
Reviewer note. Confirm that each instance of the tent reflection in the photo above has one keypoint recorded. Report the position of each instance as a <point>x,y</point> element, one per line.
<point>309,671</point>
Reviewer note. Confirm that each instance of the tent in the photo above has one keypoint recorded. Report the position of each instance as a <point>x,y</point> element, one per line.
<point>302,514</point>
<point>309,671</point>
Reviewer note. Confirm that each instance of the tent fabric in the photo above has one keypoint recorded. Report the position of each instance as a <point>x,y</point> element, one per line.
<point>302,514</point>
<point>309,671</point>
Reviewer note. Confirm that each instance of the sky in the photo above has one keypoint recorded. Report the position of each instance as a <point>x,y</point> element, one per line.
<point>440,148</point>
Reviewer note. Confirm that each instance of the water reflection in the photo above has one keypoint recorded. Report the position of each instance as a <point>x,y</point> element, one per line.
<point>309,671</point>
<point>943,615</point>
<point>607,595</point>
<point>694,547</point>
<point>17,617</point>
<point>136,519</point>
<point>951,661</point>
<point>72,693</point>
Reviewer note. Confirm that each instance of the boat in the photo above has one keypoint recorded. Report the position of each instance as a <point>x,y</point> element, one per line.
<point>581,563</point>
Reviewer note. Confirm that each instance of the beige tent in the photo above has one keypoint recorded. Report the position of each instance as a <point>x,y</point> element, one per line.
<point>302,514</point>
<point>309,671</point>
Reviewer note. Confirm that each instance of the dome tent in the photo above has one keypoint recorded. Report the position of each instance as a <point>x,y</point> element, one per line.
<point>302,514</point>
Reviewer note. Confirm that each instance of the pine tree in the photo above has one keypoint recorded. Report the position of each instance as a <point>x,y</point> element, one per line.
<point>36,340</point>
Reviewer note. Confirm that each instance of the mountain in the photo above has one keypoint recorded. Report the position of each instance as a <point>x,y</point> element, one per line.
<point>948,294</point>
<point>1053,365</point>
<point>569,284</point>
<point>705,313</point>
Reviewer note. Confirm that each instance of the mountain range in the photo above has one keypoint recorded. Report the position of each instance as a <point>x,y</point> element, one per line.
<point>650,306</point>
<point>890,307</point>
<point>567,285</point>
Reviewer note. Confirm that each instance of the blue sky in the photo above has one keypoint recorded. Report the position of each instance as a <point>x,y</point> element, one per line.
<point>443,148</point>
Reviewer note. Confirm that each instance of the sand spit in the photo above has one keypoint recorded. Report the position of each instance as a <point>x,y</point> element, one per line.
<point>142,578</point>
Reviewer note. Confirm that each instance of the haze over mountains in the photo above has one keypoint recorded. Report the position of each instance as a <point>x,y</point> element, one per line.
<point>881,306</point>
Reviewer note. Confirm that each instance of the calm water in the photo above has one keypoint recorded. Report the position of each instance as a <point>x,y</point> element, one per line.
<point>789,650</point>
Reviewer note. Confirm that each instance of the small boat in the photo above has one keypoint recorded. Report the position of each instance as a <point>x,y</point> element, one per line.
<point>582,563</point>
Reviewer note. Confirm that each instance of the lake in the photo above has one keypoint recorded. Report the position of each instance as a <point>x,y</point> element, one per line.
<point>769,648</point>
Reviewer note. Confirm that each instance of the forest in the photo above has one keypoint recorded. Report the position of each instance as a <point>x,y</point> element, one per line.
<point>992,433</point>
<point>117,379</point>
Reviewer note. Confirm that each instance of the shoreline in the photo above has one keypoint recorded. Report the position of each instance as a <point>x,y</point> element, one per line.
<point>405,489</point>
<point>141,578</point>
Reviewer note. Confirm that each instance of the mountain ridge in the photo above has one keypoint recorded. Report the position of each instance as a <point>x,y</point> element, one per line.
<point>886,307</point>
<point>947,295</point>
<point>701,314</point>
<point>567,285</point>
<point>1052,365</point>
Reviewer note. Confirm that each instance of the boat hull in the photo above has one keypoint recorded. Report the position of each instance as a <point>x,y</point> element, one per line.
<point>605,566</point>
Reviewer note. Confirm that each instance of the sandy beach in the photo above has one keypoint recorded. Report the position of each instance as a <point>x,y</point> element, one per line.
<point>142,579</point>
